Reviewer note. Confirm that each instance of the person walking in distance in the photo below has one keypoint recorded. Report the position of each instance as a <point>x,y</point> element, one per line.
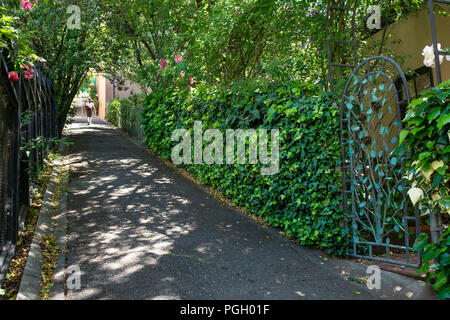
<point>90,108</point>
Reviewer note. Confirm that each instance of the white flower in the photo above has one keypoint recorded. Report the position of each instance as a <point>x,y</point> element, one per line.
<point>415,194</point>
<point>429,57</point>
<point>428,53</point>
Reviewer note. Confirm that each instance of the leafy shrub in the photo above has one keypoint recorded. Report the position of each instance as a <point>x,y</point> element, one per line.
<point>113,111</point>
<point>439,271</point>
<point>304,197</point>
<point>426,139</point>
<point>93,93</point>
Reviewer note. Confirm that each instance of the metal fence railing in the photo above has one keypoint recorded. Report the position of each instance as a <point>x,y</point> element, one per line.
<point>130,120</point>
<point>27,117</point>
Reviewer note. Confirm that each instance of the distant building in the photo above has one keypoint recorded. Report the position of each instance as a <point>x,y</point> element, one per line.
<point>107,90</point>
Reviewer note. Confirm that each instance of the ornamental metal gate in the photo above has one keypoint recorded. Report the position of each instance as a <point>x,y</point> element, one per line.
<point>381,218</point>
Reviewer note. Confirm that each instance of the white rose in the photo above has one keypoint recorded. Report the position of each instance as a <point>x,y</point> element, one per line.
<point>429,57</point>
<point>428,54</point>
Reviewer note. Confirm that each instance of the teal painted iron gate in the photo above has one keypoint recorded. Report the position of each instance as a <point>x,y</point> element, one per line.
<point>381,218</point>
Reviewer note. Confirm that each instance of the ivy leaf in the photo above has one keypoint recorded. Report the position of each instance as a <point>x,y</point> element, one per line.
<point>441,280</point>
<point>443,120</point>
<point>445,202</point>
<point>437,180</point>
<point>403,135</point>
<point>429,255</point>
<point>270,112</point>
<point>415,102</point>
<point>444,293</point>
<point>444,259</point>
<point>443,95</point>
<point>434,113</point>
<point>421,242</point>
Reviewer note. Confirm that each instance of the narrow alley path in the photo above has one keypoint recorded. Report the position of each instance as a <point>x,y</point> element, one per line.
<point>139,230</point>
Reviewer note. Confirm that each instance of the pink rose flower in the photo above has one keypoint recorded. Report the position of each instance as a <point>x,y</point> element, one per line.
<point>29,73</point>
<point>14,77</point>
<point>191,80</point>
<point>164,63</point>
<point>26,5</point>
<point>178,58</point>
<point>239,13</point>
<point>182,74</point>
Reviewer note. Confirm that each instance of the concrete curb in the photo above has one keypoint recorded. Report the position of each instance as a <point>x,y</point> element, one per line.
<point>49,222</point>
<point>57,292</point>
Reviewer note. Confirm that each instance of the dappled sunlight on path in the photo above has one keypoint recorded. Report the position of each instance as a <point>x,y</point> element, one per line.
<point>140,230</point>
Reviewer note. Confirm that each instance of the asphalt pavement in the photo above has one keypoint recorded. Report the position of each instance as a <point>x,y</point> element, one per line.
<point>138,229</point>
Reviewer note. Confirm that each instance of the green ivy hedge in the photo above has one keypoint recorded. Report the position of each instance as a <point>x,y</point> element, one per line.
<point>113,111</point>
<point>304,197</point>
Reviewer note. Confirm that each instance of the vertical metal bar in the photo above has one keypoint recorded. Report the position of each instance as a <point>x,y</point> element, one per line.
<point>330,68</point>
<point>355,49</point>
<point>434,37</point>
<point>417,225</point>
<point>114,87</point>
<point>14,216</point>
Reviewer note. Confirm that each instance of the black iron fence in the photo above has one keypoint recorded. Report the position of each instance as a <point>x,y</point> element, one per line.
<point>28,122</point>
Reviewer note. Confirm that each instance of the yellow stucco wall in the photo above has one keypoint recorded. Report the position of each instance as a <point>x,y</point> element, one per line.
<point>414,31</point>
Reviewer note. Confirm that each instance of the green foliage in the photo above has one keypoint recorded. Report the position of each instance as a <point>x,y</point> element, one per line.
<point>113,111</point>
<point>69,53</point>
<point>93,93</point>
<point>439,272</point>
<point>426,139</point>
<point>304,197</point>
<point>13,40</point>
<point>39,143</point>
<point>221,41</point>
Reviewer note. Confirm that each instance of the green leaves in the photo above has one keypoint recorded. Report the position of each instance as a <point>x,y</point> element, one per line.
<point>443,120</point>
<point>434,113</point>
<point>421,242</point>
<point>304,197</point>
<point>436,261</point>
<point>403,134</point>
<point>426,140</point>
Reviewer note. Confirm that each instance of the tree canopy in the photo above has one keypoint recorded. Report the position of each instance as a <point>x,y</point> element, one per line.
<point>216,41</point>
